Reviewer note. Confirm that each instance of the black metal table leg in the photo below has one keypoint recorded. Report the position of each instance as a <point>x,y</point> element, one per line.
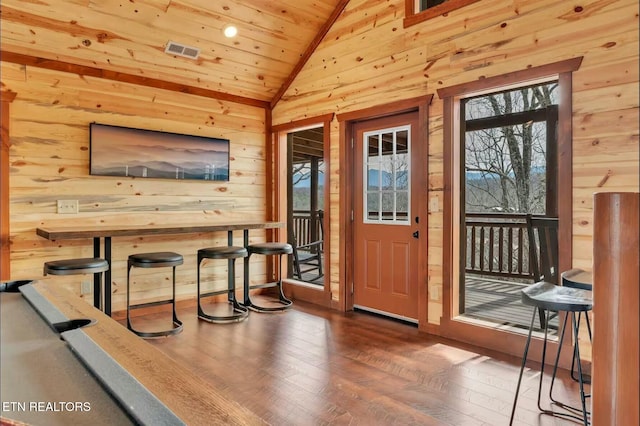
<point>97,277</point>
<point>245,295</point>
<point>107,276</point>
<point>231,296</point>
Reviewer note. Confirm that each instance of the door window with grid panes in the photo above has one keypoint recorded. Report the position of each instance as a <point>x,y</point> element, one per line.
<point>386,172</point>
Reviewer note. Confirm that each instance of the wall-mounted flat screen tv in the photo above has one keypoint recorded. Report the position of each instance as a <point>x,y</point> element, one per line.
<point>123,151</point>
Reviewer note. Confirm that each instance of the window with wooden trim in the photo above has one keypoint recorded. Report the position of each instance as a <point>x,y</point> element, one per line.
<point>528,111</point>
<point>420,10</point>
<point>509,150</point>
<point>422,5</point>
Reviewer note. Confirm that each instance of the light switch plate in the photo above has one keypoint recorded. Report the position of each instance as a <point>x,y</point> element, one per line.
<point>67,206</point>
<point>433,205</point>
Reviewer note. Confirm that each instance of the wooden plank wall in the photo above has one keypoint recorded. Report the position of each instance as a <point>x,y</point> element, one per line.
<point>369,59</point>
<point>49,160</point>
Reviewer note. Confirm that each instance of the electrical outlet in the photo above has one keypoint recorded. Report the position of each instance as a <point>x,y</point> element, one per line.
<point>67,206</point>
<point>434,293</point>
<point>86,287</point>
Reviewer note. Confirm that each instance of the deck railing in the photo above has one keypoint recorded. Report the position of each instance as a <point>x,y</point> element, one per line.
<point>498,245</point>
<point>303,227</point>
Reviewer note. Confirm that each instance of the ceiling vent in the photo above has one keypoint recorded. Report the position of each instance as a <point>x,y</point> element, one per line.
<point>174,48</point>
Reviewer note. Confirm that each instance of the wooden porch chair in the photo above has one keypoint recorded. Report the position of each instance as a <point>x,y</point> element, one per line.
<point>308,257</point>
<point>543,250</point>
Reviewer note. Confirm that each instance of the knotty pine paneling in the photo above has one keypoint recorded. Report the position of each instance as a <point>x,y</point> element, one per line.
<point>333,231</point>
<point>369,59</point>
<point>81,92</point>
<point>49,160</point>
<point>131,37</point>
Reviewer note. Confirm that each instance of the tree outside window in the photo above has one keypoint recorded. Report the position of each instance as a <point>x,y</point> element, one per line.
<point>506,150</point>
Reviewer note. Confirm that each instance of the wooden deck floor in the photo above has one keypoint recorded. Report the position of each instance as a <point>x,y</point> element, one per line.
<point>500,302</point>
<point>312,277</point>
<point>314,366</point>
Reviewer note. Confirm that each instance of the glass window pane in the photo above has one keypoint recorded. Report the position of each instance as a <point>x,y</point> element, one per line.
<point>373,146</point>
<point>386,171</point>
<point>402,206</point>
<point>373,176</point>
<point>402,142</point>
<point>373,205</point>
<point>388,208</point>
<point>387,144</point>
<point>505,164</point>
<point>402,172</point>
<point>511,101</point>
<point>373,163</point>
<point>426,4</point>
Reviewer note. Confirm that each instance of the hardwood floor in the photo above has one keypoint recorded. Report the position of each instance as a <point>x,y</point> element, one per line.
<point>313,366</point>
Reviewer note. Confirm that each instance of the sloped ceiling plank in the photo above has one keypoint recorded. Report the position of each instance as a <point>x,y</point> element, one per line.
<point>129,37</point>
<point>141,10</point>
<point>273,15</point>
<point>119,51</point>
<point>205,25</point>
<point>126,78</point>
<point>309,51</point>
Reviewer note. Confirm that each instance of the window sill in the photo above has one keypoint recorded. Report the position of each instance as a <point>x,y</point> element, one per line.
<point>413,18</point>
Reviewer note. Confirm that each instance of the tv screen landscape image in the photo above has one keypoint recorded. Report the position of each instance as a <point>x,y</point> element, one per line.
<point>123,151</point>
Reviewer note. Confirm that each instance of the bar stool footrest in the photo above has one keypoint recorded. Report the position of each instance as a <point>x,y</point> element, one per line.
<point>177,328</point>
<point>561,415</point>
<point>267,249</point>
<point>241,313</point>
<point>286,304</point>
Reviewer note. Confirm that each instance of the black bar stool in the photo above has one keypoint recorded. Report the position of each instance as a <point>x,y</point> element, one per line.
<point>231,253</point>
<point>91,265</point>
<point>575,278</point>
<point>154,260</point>
<point>546,297</point>
<point>267,249</point>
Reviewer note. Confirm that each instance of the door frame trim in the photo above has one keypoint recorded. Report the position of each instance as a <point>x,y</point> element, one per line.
<point>300,291</point>
<point>6,97</point>
<point>347,153</point>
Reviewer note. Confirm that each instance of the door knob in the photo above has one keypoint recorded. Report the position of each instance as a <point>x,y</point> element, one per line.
<point>416,234</point>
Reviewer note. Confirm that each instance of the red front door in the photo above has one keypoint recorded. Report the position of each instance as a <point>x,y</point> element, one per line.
<point>385,217</point>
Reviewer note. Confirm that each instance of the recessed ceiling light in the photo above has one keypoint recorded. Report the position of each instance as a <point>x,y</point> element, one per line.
<point>230,31</point>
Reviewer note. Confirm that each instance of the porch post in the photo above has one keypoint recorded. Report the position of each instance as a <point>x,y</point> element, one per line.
<point>615,308</point>
<point>314,198</point>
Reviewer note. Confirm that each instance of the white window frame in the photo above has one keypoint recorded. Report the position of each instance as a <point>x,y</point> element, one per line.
<point>365,176</point>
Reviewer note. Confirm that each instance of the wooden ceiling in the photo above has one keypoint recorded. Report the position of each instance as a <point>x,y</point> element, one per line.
<point>307,144</point>
<point>274,39</point>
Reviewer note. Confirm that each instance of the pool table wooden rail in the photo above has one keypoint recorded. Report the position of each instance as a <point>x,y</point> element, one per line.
<point>192,399</point>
